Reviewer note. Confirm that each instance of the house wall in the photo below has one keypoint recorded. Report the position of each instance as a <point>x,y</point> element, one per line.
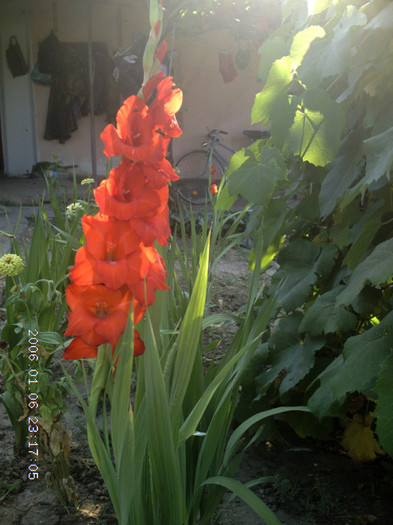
<point>208,101</point>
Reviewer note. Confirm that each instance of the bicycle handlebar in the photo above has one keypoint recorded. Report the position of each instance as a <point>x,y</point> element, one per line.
<point>215,132</point>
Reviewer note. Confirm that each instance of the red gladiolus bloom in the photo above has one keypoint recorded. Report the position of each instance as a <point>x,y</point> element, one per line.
<point>98,314</point>
<point>113,274</point>
<point>148,276</point>
<point>135,135</point>
<point>166,103</point>
<point>104,258</point>
<point>160,173</point>
<point>108,238</point>
<point>213,189</point>
<point>78,349</point>
<point>126,194</point>
<point>154,228</point>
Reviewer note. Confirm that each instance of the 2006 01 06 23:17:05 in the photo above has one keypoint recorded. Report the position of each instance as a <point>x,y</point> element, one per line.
<point>33,404</point>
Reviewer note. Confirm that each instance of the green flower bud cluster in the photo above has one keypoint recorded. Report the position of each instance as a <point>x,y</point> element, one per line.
<point>73,209</point>
<point>87,181</point>
<point>11,265</point>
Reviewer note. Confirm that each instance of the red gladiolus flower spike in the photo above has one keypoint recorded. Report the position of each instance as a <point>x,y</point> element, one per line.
<point>128,194</point>
<point>135,135</point>
<point>98,314</point>
<point>166,103</point>
<point>119,266</point>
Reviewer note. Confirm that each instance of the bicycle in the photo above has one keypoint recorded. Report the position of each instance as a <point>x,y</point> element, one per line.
<point>199,167</point>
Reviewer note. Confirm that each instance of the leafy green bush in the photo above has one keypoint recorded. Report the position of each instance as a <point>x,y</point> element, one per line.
<point>324,200</point>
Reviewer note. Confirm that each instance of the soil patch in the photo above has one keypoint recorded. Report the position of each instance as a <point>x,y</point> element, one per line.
<point>311,483</point>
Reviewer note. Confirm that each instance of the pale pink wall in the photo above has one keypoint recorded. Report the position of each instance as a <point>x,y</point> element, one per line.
<point>209,102</point>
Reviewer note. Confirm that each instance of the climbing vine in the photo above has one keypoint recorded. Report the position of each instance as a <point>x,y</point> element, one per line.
<point>321,187</point>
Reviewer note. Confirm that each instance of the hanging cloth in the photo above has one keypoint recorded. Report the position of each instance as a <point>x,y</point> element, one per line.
<point>227,67</point>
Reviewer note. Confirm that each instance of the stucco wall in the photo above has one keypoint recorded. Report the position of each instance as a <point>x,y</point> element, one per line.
<point>210,103</point>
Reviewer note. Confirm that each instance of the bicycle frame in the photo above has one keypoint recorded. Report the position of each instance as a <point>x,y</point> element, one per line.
<point>211,146</point>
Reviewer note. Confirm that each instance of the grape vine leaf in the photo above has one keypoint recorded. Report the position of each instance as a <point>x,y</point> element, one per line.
<point>301,42</point>
<point>295,361</point>
<point>298,360</point>
<point>344,170</point>
<point>330,56</point>
<point>279,79</point>
<point>324,316</point>
<point>363,355</point>
<point>315,133</point>
<point>358,439</point>
<point>301,263</point>
<point>272,49</point>
<point>384,409</point>
<point>255,179</point>
<point>376,268</point>
<point>322,402</point>
<point>379,154</point>
<point>364,232</point>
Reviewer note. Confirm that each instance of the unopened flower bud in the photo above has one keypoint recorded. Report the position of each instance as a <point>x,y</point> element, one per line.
<point>11,265</point>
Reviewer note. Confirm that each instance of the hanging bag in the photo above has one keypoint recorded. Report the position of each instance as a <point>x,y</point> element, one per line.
<point>15,59</point>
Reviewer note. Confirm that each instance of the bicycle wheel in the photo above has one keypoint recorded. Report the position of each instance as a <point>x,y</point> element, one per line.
<point>193,169</point>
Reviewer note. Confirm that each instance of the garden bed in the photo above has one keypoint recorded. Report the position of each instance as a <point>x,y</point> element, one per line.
<point>312,482</point>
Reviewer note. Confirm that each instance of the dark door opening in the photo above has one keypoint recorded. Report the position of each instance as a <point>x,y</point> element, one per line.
<point>1,155</point>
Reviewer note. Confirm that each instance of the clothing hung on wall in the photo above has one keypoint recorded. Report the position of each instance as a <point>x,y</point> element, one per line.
<point>68,65</point>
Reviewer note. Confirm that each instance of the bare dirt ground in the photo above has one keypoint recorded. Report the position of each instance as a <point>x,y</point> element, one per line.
<point>312,483</point>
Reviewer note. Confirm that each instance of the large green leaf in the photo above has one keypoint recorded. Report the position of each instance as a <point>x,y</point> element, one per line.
<point>324,316</point>
<point>301,262</point>
<point>280,77</point>
<point>282,115</point>
<point>256,180</point>
<point>287,333</point>
<point>384,408</point>
<point>330,56</point>
<point>302,41</point>
<point>379,157</point>
<point>322,401</point>
<point>364,231</point>
<point>363,355</point>
<point>379,154</point>
<point>295,360</point>
<point>376,268</point>
<point>272,49</point>
<point>343,171</point>
<point>315,133</point>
